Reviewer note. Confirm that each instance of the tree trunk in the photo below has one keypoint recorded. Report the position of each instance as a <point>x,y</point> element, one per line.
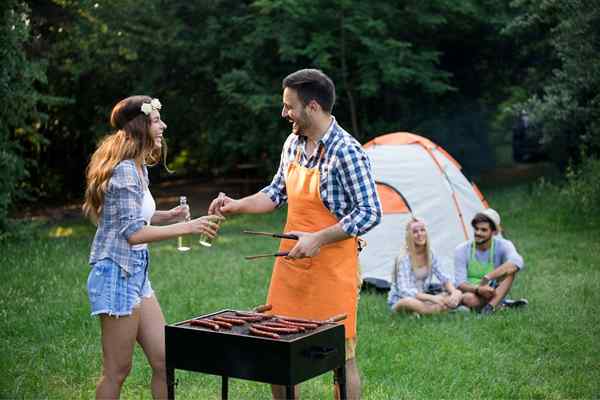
<point>347,86</point>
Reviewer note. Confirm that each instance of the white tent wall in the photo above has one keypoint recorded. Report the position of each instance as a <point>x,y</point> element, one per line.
<point>411,170</point>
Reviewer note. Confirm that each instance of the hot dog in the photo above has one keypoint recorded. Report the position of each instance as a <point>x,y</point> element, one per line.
<point>240,314</point>
<point>300,320</point>
<point>234,321</point>
<point>245,318</point>
<point>275,330</point>
<point>258,332</point>
<point>282,325</point>
<point>309,326</point>
<point>222,324</point>
<point>205,324</point>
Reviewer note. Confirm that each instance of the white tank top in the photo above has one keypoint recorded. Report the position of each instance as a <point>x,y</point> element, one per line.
<point>148,209</point>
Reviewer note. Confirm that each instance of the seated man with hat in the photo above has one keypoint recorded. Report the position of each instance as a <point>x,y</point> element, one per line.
<point>485,267</point>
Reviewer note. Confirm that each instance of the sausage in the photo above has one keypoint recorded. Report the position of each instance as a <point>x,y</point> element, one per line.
<point>248,314</point>
<point>275,330</point>
<point>309,326</point>
<point>282,325</point>
<point>222,324</point>
<point>206,324</point>
<point>243,314</point>
<point>300,320</point>
<point>233,321</point>
<point>258,332</point>
<point>245,318</point>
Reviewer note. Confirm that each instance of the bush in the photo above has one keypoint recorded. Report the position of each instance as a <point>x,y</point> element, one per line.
<point>582,189</point>
<point>12,169</point>
<point>577,197</point>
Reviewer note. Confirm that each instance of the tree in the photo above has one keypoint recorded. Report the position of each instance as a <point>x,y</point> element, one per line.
<point>566,100</point>
<point>18,103</point>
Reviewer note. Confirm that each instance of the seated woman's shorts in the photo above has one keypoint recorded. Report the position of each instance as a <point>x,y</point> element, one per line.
<point>112,291</point>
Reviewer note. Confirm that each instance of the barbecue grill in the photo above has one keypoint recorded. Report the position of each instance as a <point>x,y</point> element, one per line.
<point>275,356</point>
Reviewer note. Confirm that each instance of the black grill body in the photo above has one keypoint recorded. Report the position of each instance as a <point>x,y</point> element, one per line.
<point>235,353</point>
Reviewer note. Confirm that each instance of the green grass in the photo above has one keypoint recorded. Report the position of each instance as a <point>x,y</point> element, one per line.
<point>50,346</point>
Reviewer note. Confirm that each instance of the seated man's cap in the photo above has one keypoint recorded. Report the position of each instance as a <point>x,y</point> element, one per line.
<point>492,215</point>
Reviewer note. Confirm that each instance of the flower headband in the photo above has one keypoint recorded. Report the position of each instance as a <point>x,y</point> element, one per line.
<point>153,105</point>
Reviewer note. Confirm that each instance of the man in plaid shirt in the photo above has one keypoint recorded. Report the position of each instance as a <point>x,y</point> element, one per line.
<point>325,178</point>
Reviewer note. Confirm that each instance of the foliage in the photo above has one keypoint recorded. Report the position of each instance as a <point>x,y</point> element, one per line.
<point>566,102</point>
<point>18,99</point>
<point>579,192</point>
<point>217,67</point>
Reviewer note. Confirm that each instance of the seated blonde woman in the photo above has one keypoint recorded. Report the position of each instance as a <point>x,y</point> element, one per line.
<point>413,273</point>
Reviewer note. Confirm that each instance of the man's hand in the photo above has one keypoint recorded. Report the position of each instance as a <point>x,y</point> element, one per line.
<point>223,205</point>
<point>485,280</point>
<point>487,292</point>
<point>454,299</point>
<point>308,245</point>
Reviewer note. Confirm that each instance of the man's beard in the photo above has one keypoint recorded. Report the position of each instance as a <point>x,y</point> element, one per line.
<point>300,126</point>
<point>479,240</point>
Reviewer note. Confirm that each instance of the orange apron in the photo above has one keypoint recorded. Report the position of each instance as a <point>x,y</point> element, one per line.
<point>322,286</point>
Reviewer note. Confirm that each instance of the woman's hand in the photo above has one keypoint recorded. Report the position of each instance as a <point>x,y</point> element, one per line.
<point>179,213</point>
<point>440,299</point>
<point>208,224</point>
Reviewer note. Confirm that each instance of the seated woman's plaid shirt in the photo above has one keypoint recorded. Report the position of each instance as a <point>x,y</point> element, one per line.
<point>121,215</point>
<point>347,185</point>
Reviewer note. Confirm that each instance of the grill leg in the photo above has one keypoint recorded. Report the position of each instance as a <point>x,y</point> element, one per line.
<point>289,391</point>
<point>224,387</point>
<point>170,383</point>
<point>340,379</point>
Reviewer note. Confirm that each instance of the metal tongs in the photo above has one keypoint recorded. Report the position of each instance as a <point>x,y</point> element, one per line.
<point>269,234</point>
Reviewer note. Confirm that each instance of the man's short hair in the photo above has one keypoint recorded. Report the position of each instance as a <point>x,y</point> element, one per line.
<point>481,217</point>
<point>312,84</point>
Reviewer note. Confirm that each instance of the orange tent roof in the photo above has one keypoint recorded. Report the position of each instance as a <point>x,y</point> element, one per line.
<point>409,138</point>
<point>400,138</point>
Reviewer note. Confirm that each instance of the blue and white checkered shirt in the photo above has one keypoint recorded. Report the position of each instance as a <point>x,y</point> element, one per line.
<point>404,280</point>
<point>121,215</point>
<point>347,184</point>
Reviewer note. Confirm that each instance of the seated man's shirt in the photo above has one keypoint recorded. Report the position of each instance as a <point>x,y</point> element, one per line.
<point>504,251</point>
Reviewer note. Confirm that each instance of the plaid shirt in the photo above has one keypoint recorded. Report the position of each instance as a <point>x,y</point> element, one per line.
<point>121,215</point>
<point>347,186</point>
<point>404,281</point>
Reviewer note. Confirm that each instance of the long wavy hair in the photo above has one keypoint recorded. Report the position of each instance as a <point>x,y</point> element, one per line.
<point>131,140</point>
<point>411,248</point>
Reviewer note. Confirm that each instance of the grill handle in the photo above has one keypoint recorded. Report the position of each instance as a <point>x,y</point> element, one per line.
<point>319,353</point>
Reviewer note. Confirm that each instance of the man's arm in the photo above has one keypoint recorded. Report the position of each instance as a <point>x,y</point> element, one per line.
<point>353,170</point>
<point>309,243</point>
<point>264,201</point>
<point>511,260</point>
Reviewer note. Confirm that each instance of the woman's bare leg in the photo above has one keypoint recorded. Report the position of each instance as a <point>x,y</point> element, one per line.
<point>118,341</point>
<point>418,306</point>
<point>151,336</point>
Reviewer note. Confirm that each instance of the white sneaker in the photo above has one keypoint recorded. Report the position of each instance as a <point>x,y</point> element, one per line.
<point>460,309</point>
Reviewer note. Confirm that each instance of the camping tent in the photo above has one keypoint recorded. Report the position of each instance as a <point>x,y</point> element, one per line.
<point>413,174</point>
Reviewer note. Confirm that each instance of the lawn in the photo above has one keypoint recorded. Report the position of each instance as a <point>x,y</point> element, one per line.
<point>50,346</point>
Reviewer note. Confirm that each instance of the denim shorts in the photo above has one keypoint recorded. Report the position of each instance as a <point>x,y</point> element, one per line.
<point>114,292</point>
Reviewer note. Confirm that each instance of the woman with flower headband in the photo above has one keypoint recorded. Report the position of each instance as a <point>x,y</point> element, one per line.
<point>117,198</point>
<point>413,274</point>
